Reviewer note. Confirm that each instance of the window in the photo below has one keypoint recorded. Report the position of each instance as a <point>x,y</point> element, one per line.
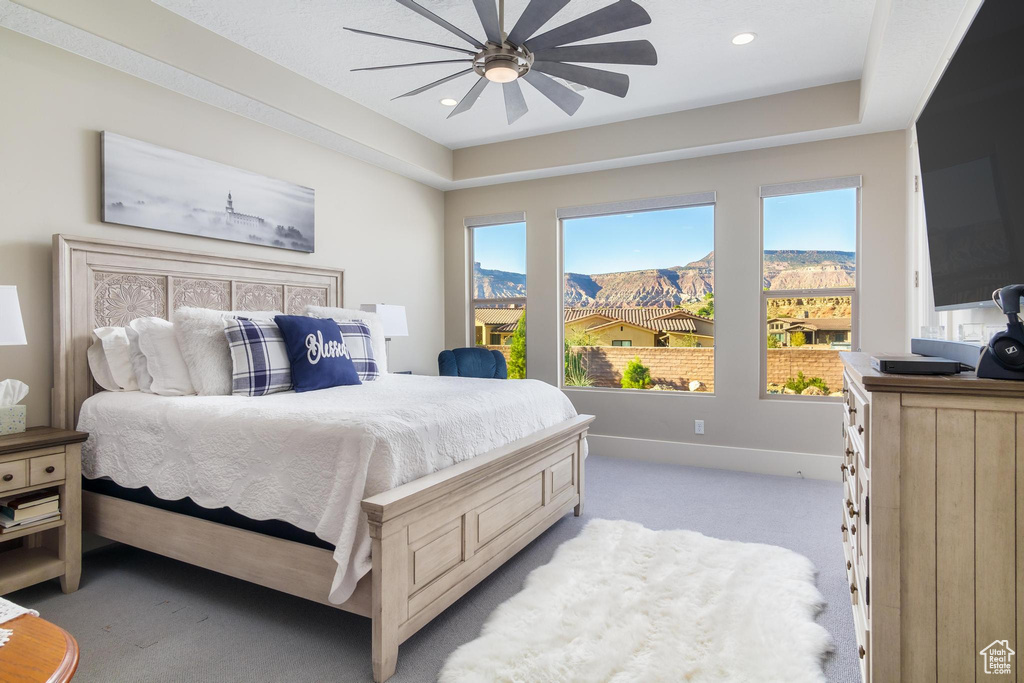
<point>638,294</point>
<point>809,284</point>
<point>498,279</point>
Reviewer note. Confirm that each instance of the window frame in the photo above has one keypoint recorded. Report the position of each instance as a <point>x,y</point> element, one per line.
<point>681,201</point>
<point>471,223</point>
<point>796,188</point>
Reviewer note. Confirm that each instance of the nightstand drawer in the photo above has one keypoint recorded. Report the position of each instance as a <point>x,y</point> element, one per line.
<point>46,468</point>
<point>13,475</point>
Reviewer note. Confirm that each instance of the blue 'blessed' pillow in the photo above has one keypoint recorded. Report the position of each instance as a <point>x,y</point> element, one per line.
<point>317,353</point>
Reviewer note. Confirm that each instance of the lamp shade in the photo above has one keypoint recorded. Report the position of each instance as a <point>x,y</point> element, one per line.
<point>12,329</point>
<point>392,317</point>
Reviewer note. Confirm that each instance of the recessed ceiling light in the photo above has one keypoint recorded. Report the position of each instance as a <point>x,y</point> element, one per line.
<point>743,38</point>
<point>449,102</point>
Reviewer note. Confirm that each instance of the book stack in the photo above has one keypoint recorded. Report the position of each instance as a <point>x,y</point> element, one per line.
<point>29,509</point>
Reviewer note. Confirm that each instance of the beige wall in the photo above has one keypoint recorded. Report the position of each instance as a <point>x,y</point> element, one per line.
<point>384,230</point>
<point>734,416</point>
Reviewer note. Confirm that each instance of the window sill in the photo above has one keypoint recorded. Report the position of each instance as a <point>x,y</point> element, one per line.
<point>632,392</point>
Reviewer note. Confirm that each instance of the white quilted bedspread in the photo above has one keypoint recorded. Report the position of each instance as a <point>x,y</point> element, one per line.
<point>309,459</point>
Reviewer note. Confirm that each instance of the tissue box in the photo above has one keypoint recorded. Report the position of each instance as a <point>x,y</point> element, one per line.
<point>12,419</point>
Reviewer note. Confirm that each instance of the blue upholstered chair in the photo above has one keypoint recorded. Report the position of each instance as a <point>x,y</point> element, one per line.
<point>473,362</point>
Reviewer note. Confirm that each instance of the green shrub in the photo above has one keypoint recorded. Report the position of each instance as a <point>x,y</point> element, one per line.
<point>576,369</point>
<point>797,339</point>
<point>708,309</point>
<point>517,354</point>
<point>773,342</point>
<point>800,383</point>
<point>636,375</point>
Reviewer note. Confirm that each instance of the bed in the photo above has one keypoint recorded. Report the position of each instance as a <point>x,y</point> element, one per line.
<point>420,486</point>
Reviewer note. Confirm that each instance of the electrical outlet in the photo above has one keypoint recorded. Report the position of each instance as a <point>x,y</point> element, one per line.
<point>698,426</point>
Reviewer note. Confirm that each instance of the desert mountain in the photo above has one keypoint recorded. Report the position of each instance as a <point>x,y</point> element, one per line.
<point>667,287</point>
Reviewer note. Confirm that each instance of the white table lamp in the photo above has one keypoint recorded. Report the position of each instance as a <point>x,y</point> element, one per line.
<point>12,329</point>
<point>392,317</point>
<point>12,333</point>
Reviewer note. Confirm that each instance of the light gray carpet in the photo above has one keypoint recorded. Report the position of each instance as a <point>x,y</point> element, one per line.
<point>141,617</point>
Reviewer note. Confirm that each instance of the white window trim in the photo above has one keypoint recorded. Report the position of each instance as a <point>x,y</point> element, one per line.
<point>681,201</point>
<point>808,186</point>
<point>805,187</point>
<point>470,224</point>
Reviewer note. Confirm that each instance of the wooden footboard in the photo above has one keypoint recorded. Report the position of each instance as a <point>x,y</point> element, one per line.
<point>437,537</point>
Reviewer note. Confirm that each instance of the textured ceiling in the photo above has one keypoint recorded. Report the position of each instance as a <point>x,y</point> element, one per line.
<point>801,43</point>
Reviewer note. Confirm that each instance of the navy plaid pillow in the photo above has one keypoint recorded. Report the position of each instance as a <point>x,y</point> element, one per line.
<point>356,334</point>
<point>259,357</point>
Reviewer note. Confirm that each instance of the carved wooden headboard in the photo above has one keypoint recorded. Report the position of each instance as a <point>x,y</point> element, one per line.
<point>98,283</point>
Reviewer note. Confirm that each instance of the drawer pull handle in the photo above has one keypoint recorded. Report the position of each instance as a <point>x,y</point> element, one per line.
<point>853,528</point>
<point>849,565</point>
<point>843,467</point>
<point>50,469</point>
<point>853,588</point>
<point>861,651</point>
<point>853,469</point>
<point>843,528</point>
<point>860,429</point>
<point>849,453</point>
<point>8,477</point>
<point>853,411</point>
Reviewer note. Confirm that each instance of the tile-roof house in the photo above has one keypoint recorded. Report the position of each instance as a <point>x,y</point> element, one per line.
<point>816,330</point>
<point>612,326</point>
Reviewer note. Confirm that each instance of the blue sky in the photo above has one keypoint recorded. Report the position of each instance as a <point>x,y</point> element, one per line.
<point>675,237</point>
<point>820,221</point>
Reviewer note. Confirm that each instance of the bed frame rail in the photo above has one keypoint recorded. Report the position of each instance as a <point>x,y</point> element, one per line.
<point>436,538</point>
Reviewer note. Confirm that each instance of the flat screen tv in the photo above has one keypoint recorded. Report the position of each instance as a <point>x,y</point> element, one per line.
<point>971,144</point>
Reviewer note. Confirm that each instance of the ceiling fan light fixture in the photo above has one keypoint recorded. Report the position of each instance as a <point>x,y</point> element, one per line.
<point>743,38</point>
<point>501,71</point>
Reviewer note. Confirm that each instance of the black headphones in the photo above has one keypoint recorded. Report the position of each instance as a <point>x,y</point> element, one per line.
<point>1007,347</point>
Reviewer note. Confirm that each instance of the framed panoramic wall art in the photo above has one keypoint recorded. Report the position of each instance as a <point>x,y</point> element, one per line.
<point>147,186</point>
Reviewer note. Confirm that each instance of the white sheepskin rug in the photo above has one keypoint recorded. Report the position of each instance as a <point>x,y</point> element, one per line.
<point>623,603</point>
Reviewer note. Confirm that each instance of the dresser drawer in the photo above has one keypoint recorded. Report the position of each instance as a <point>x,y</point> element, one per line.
<point>46,468</point>
<point>856,408</point>
<point>13,475</point>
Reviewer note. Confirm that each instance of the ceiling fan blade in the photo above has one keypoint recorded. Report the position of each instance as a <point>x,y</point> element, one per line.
<point>567,99</point>
<point>626,52</point>
<point>488,14</point>
<point>436,83</point>
<point>606,81</point>
<point>471,97</point>
<point>410,40</point>
<point>427,14</point>
<point>400,66</point>
<point>620,16</point>
<point>536,14</point>
<point>515,103</point>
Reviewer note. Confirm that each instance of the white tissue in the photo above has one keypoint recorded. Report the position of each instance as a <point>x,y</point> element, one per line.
<point>12,391</point>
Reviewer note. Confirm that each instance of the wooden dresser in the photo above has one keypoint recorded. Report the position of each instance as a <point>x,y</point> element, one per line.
<point>931,522</point>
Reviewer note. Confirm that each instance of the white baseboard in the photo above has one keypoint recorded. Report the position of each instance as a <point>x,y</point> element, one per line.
<point>754,460</point>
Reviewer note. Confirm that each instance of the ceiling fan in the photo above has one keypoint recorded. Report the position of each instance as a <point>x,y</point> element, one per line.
<point>505,58</point>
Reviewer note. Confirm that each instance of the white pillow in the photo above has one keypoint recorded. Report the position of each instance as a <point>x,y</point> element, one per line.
<point>115,349</point>
<point>99,367</point>
<point>163,357</point>
<point>139,364</point>
<point>200,334</point>
<point>372,321</point>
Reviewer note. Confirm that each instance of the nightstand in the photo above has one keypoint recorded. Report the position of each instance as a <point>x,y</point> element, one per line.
<point>39,458</point>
